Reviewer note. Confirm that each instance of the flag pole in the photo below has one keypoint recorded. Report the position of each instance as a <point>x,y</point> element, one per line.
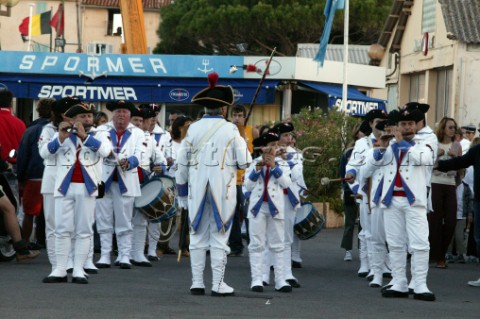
<point>51,32</point>
<point>345,56</point>
<point>30,25</point>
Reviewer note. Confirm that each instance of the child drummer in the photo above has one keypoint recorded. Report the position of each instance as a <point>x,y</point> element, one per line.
<point>265,179</point>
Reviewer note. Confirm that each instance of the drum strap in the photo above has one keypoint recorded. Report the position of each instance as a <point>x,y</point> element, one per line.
<point>207,136</point>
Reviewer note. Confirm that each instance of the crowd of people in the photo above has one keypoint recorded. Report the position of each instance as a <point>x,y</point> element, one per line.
<point>80,173</point>
<point>414,192</point>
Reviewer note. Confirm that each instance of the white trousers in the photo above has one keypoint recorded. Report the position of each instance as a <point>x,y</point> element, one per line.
<point>74,213</point>
<point>114,212</point>
<point>365,221</point>
<point>49,213</point>
<point>407,225</point>
<point>207,235</point>
<point>265,229</point>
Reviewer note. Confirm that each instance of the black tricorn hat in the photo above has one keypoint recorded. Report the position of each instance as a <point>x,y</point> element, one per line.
<point>153,106</point>
<point>147,113</point>
<point>282,128</point>
<point>265,138</point>
<point>415,115</point>
<point>375,114</point>
<point>215,96</point>
<point>365,128</point>
<point>392,120</point>
<point>79,108</point>
<point>115,105</point>
<point>62,105</point>
<point>422,107</point>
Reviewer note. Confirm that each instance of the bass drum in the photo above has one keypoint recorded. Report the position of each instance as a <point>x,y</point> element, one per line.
<point>308,221</point>
<point>158,199</point>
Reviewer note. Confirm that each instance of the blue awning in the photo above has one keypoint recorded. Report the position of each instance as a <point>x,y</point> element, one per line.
<point>358,104</point>
<point>134,89</point>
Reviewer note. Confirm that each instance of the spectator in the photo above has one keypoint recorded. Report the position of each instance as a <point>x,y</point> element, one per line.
<point>100,119</point>
<point>173,116</point>
<point>30,169</point>
<point>442,219</point>
<point>11,127</point>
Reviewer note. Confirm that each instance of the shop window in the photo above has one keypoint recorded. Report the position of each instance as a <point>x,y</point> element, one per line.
<point>417,87</point>
<point>443,93</point>
<point>114,26</point>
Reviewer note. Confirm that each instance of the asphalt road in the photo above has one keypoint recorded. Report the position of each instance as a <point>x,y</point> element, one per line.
<point>330,289</point>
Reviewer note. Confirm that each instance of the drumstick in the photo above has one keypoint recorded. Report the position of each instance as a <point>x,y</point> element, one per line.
<point>325,180</point>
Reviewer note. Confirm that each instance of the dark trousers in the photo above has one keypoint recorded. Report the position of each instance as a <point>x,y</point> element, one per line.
<point>235,239</point>
<point>350,210</point>
<point>476,225</point>
<point>442,220</point>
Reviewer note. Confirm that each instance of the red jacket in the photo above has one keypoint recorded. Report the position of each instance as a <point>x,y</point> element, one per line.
<point>11,131</point>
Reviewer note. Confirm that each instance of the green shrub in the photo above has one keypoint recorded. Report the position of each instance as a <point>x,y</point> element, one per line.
<point>322,138</point>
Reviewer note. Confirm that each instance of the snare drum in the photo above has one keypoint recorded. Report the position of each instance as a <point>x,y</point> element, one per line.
<point>308,221</point>
<point>158,200</point>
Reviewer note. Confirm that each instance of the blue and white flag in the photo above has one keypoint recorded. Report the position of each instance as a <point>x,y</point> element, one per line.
<point>330,8</point>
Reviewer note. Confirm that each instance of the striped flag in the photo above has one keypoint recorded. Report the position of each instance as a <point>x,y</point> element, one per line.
<point>331,6</point>
<point>40,24</point>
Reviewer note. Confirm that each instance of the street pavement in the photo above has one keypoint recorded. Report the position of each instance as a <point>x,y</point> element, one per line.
<point>330,289</point>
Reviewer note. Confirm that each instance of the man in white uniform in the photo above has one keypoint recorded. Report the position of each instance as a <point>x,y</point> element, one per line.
<point>206,183</point>
<point>76,187</point>
<point>354,171</point>
<point>115,209</point>
<point>404,199</point>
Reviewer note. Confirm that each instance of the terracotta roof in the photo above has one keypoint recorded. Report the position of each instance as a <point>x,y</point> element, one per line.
<point>147,4</point>
<point>461,19</point>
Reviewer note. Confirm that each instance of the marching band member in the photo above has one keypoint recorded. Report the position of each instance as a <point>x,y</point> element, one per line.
<point>404,199</point>
<point>266,211</point>
<point>206,173</point>
<point>379,255</point>
<point>354,170</point>
<point>153,155</point>
<point>162,140</point>
<point>292,195</point>
<point>50,172</point>
<point>115,209</point>
<point>76,187</point>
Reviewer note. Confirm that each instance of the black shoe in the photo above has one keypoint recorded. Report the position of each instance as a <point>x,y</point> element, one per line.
<point>257,288</point>
<point>390,293</point>
<point>116,263</point>
<point>296,264</point>
<point>101,265</point>
<point>362,274</point>
<point>370,278</point>
<point>197,291</point>
<point>374,285</point>
<point>90,271</point>
<point>54,280</point>
<point>293,283</point>
<point>410,291</point>
<point>426,296</point>
<point>152,258</point>
<point>69,270</point>
<point>79,280</point>
<point>125,266</point>
<point>286,288</point>
<point>385,288</point>
<point>387,275</point>
<point>141,263</point>
<point>265,284</point>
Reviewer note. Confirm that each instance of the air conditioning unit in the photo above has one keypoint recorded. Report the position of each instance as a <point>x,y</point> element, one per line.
<point>99,48</point>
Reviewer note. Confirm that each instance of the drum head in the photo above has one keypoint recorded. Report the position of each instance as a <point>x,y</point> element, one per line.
<point>150,191</point>
<point>303,212</point>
